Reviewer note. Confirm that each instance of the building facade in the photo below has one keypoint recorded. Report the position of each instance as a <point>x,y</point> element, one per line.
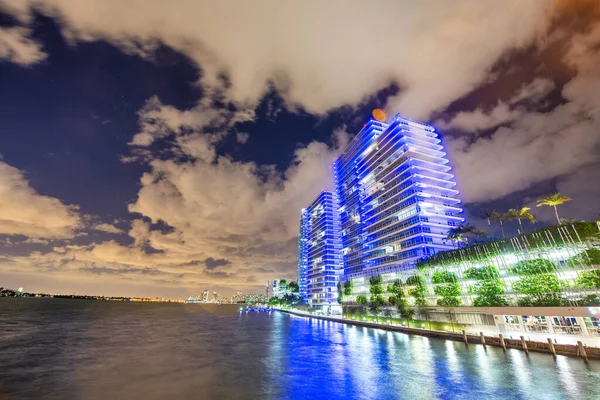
<point>320,252</point>
<point>397,196</point>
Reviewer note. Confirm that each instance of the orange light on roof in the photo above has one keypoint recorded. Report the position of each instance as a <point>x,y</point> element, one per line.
<point>379,114</point>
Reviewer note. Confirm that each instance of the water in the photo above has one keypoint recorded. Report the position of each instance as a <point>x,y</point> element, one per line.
<point>77,349</point>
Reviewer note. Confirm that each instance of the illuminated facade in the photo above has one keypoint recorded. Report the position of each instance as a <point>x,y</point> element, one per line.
<point>319,252</point>
<point>397,198</point>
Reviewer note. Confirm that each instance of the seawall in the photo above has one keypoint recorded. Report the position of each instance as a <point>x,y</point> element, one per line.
<point>574,350</point>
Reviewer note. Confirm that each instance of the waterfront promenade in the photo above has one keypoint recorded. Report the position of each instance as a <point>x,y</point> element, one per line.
<point>521,343</point>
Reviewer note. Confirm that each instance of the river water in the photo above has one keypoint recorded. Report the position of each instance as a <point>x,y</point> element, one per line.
<point>79,349</point>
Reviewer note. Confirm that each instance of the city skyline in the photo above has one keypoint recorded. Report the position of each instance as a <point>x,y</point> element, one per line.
<point>161,153</point>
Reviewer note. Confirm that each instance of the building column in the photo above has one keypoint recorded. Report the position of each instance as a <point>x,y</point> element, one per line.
<point>521,324</point>
<point>581,322</point>
<point>549,324</point>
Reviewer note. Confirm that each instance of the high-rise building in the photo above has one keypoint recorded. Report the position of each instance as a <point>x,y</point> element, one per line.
<point>397,197</point>
<point>319,252</point>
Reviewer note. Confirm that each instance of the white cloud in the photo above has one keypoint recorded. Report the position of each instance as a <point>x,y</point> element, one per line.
<point>537,146</point>
<point>504,112</point>
<point>533,91</point>
<point>478,120</point>
<point>17,47</point>
<point>242,137</point>
<point>23,211</point>
<point>108,228</point>
<point>315,62</point>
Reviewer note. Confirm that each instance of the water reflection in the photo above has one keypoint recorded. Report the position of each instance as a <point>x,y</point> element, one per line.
<point>97,350</point>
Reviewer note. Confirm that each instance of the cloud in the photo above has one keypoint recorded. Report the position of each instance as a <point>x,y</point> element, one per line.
<point>211,263</point>
<point>242,137</point>
<point>478,120</point>
<point>17,47</point>
<point>108,228</point>
<point>313,62</point>
<point>23,211</point>
<point>537,146</point>
<point>504,112</point>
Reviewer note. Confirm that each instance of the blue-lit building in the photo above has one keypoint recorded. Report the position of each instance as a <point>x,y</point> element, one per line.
<point>397,197</point>
<point>320,252</point>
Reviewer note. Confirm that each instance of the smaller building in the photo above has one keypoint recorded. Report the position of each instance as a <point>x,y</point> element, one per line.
<point>320,257</point>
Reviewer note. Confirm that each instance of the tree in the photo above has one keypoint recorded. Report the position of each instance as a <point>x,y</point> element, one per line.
<point>274,302</point>
<point>500,218</point>
<point>399,300</point>
<point>463,232</point>
<point>293,286</point>
<point>589,279</point>
<point>553,200</point>
<point>490,293</point>
<point>376,285</point>
<point>340,291</point>
<point>539,290</point>
<point>348,287</point>
<point>417,290</point>
<point>519,214</point>
<point>443,277</point>
<point>489,216</point>
<point>362,300</point>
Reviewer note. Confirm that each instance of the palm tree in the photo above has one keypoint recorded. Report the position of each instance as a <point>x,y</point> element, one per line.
<point>471,230</point>
<point>521,214</point>
<point>488,215</point>
<point>462,231</point>
<point>500,218</point>
<point>455,235</point>
<point>553,200</point>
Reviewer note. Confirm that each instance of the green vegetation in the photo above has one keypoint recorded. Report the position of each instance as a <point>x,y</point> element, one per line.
<point>589,279</point>
<point>539,290</point>
<point>417,290</point>
<point>293,287</point>
<point>587,257</point>
<point>519,214</point>
<point>537,239</point>
<point>398,299</point>
<point>443,277</point>
<point>553,200</point>
<point>340,291</point>
<point>360,299</point>
<point>348,288</point>
<point>483,273</point>
<point>490,293</point>
<point>287,300</point>
<point>449,293</point>
<point>489,288</point>
<point>376,285</point>
<point>533,267</point>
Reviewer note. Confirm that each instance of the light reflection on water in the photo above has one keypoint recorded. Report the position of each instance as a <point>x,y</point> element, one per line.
<point>55,349</point>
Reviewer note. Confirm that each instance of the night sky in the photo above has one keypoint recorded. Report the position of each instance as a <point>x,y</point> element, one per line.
<point>162,148</point>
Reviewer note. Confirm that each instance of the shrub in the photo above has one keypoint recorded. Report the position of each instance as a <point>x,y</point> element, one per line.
<point>540,290</point>
<point>589,279</point>
<point>348,287</point>
<point>415,280</point>
<point>489,294</point>
<point>483,273</point>
<point>449,293</point>
<point>444,277</point>
<point>360,299</point>
<point>533,267</point>
<point>590,300</point>
<point>376,285</point>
